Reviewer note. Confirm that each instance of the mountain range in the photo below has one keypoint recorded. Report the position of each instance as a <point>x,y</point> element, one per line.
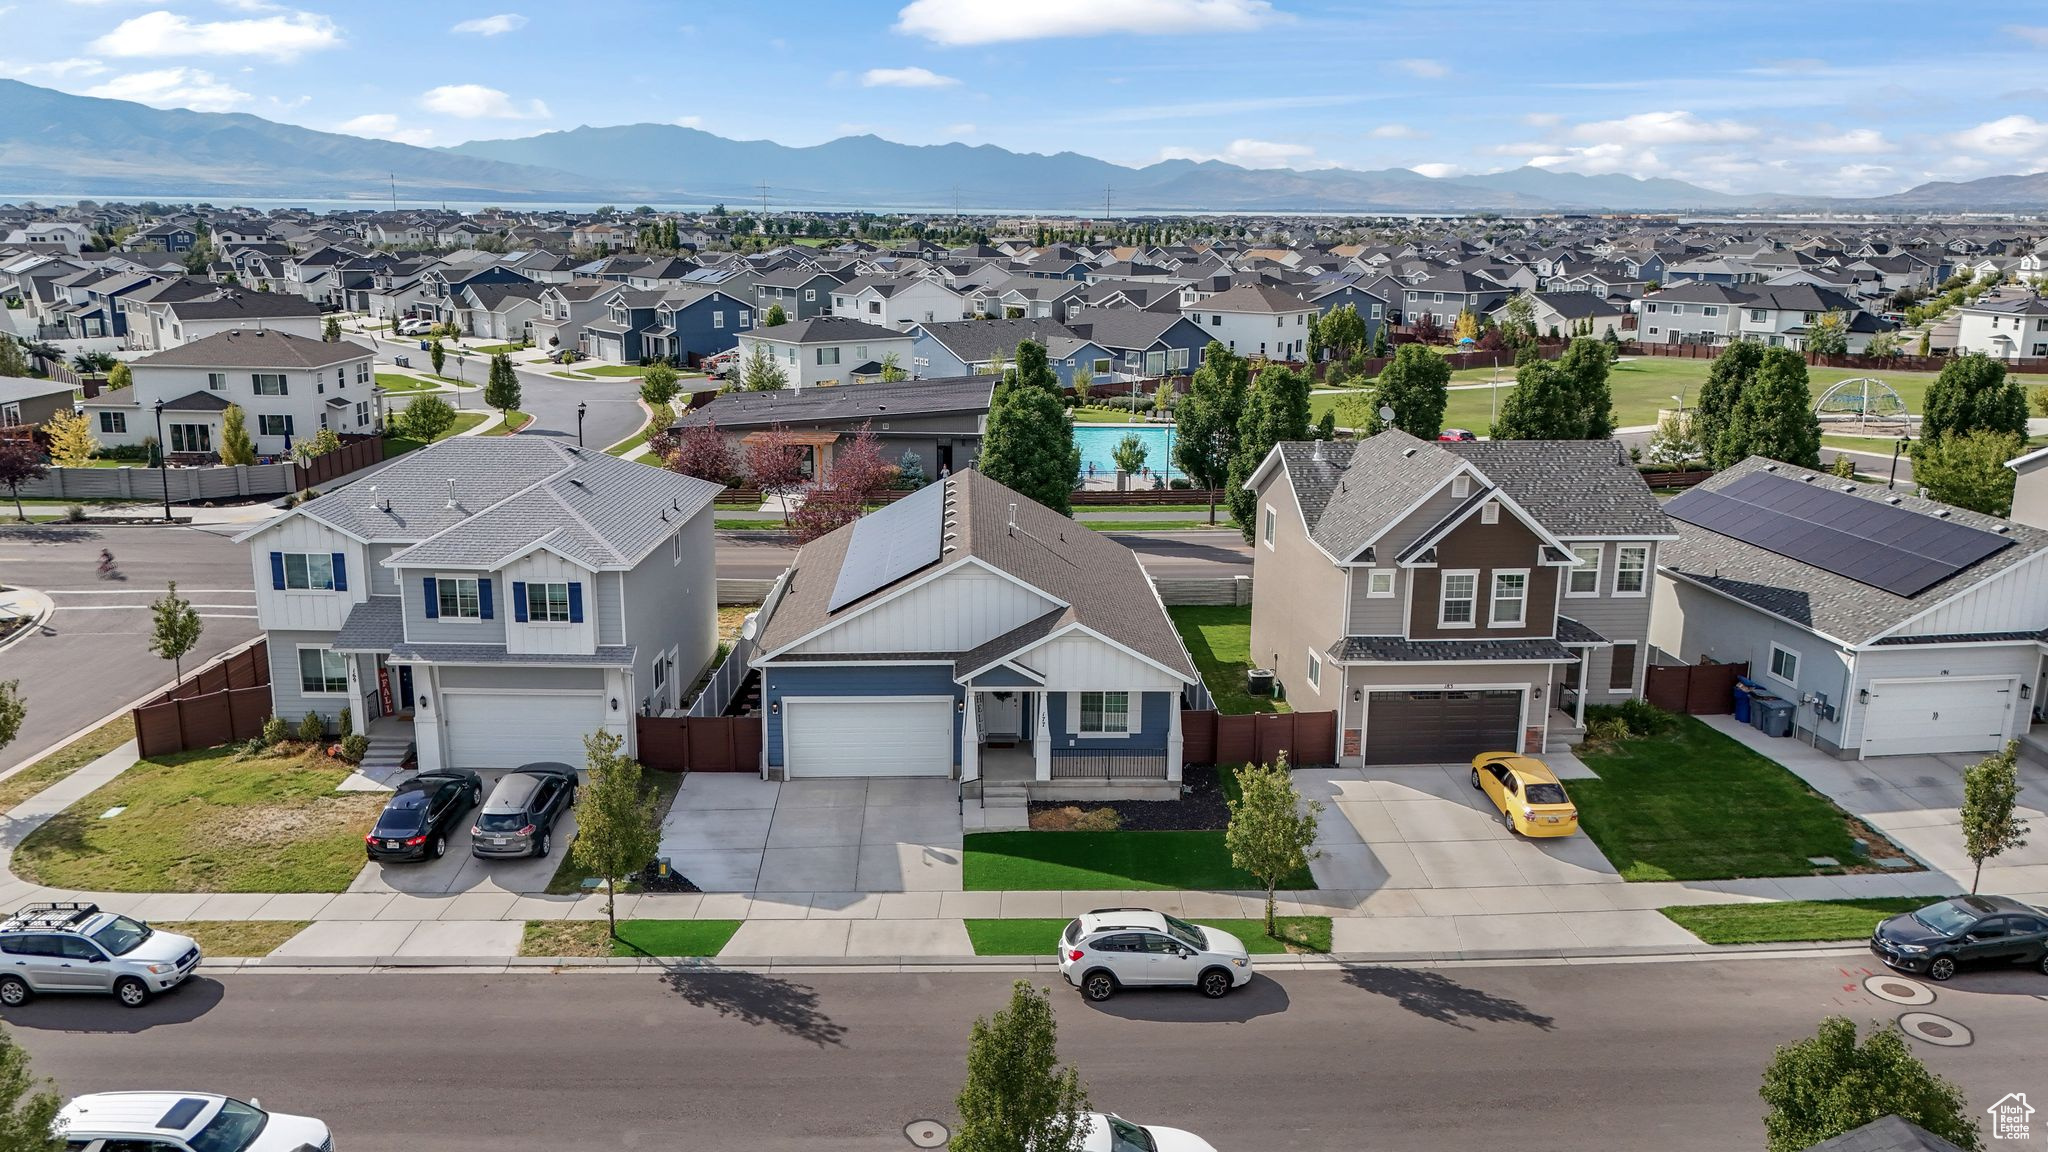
<point>54,144</point>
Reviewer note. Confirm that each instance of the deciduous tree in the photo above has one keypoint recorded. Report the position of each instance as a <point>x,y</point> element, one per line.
<point>775,318</point>
<point>1416,385</point>
<point>1829,1084</point>
<point>1272,831</point>
<point>618,830</point>
<point>1543,405</point>
<point>1276,410</point>
<point>1967,469</point>
<point>1973,392</point>
<point>235,445</point>
<point>658,388</point>
<point>1029,442</point>
<point>1774,416</point>
<point>1730,373</point>
<point>1129,454</point>
<point>892,368</point>
<point>1991,793</point>
<point>1017,1097</point>
<point>701,450</point>
<point>1585,364</point>
<point>426,419</point>
<point>437,355</point>
<point>775,465</point>
<point>13,710</point>
<point>119,375</point>
<point>1208,418</point>
<point>71,440</point>
<point>501,389</point>
<point>28,1106</point>
<point>19,464</point>
<point>174,629</point>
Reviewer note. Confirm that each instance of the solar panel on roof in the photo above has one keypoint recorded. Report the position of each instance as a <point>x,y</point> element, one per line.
<point>1896,549</point>
<point>891,543</point>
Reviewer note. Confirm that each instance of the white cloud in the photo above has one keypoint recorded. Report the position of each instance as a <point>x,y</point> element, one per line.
<point>956,22</point>
<point>1648,128</point>
<point>1248,153</point>
<point>1434,171</point>
<point>1396,132</point>
<point>2005,136</point>
<point>1854,142</point>
<point>53,69</point>
<point>476,102</point>
<point>2031,34</point>
<point>1424,68</point>
<point>385,126</point>
<point>1542,119</point>
<point>911,77</point>
<point>957,130</point>
<point>688,121</point>
<point>174,88</point>
<point>160,33</point>
<point>491,25</point>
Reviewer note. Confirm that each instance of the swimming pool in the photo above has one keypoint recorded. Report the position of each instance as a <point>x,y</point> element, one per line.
<point>1097,441</point>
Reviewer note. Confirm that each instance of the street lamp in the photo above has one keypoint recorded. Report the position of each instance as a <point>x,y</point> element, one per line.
<point>581,408</point>
<point>1897,446</point>
<point>163,460</point>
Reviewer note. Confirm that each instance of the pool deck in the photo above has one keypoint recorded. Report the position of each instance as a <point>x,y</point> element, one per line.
<point>1103,476</point>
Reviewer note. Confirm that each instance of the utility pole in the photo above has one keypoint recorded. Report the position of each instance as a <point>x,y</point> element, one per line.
<point>764,203</point>
<point>394,192</point>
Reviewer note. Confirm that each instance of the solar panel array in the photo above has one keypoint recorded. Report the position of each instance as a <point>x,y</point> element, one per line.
<point>891,543</point>
<point>1873,543</point>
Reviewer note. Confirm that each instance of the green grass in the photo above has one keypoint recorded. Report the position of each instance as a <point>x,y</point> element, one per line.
<point>218,938</point>
<point>1220,640</point>
<point>1037,861</point>
<point>1036,937</point>
<point>396,382</point>
<point>464,421</point>
<point>497,349</point>
<point>569,875</point>
<point>614,370</point>
<point>208,821</point>
<point>1107,416</point>
<point>1790,920</point>
<point>513,422</point>
<point>637,938</point>
<point>1153,525</point>
<point>1696,805</point>
<point>1113,510</point>
<point>66,760</point>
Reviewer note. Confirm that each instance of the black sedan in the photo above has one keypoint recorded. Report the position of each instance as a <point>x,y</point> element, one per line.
<point>415,824</point>
<point>1968,931</point>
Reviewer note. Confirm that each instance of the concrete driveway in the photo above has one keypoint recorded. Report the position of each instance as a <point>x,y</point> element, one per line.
<point>737,833</point>
<point>458,872</point>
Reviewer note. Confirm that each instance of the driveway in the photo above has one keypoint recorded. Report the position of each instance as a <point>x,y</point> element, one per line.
<point>737,833</point>
<point>459,872</point>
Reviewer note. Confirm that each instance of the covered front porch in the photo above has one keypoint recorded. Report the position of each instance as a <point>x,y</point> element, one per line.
<point>1017,738</point>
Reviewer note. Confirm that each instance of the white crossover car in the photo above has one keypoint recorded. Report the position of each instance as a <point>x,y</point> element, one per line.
<point>1113,948</point>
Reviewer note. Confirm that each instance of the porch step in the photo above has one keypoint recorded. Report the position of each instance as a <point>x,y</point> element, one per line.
<point>2034,747</point>
<point>387,753</point>
<point>1005,796</point>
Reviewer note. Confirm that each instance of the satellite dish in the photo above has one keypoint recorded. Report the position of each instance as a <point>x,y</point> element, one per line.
<point>1387,413</point>
<point>748,626</point>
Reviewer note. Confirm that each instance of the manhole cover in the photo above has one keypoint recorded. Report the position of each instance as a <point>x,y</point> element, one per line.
<point>1935,1029</point>
<point>1899,990</point>
<point>927,1134</point>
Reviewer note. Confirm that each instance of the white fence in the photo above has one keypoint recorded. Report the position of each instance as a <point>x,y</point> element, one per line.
<point>725,681</point>
<point>144,484</point>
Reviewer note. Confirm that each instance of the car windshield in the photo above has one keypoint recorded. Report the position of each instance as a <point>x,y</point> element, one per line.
<point>1946,918</point>
<point>1546,794</point>
<point>400,821</point>
<point>1125,1136</point>
<point>1186,933</point>
<point>121,935</point>
<point>501,821</point>
<point>235,1128</point>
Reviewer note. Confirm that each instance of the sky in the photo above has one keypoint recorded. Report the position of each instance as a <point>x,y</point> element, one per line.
<point>1789,96</point>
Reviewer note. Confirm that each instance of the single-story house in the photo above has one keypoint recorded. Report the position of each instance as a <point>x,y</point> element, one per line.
<point>940,421</point>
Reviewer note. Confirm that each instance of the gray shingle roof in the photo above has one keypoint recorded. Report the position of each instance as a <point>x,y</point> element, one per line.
<point>975,341</point>
<point>255,348</point>
<point>1570,631</point>
<point>737,410</point>
<point>1573,487</point>
<point>244,305</point>
<point>1360,487</point>
<point>1396,650</point>
<point>375,625</point>
<point>821,329</point>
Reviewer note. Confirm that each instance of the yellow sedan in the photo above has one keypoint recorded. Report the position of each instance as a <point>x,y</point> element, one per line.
<point>1526,791</point>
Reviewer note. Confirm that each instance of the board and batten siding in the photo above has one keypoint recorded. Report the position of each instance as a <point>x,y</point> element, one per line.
<point>1486,549</point>
<point>383,580</point>
<point>1151,723</point>
<point>420,630</point>
<point>1426,516</point>
<point>304,610</point>
<point>670,604</point>
<point>1081,663</point>
<point>956,612</point>
<point>1914,662</point>
<point>288,699</point>
<point>2015,601</point>
<point>851,681</point>
<point>579,639</point>
<point>607,589</point>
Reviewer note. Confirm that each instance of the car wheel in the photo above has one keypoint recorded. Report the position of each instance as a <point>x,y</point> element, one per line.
<point>1098,986</point>
<point>547,842</point>
<point>572,797</point>
<point>1941,968</point>
<point>1475,779</point>
<point>1507,821</point>
<point>13,992</point>
<point>132,993</point>
<point>1215,983</point>
<point>440,845</point>
<point>2044,972</point>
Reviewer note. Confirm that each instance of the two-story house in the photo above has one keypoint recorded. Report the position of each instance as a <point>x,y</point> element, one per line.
<point>828,350</point>
<point>1447,599</point>
<point>1442,295</point>
<point>803,292</point>
<point>2008,326</point>
<point>897,301</point>
<point>620,334</point>
<point>566,309</point>
<point>176,322</point>
<point>1695,312</point>
<point>288,388</point>
<point>1256,320</point>
<point>694,321</point>
<point>1782,316</point>
<point>491,602</point>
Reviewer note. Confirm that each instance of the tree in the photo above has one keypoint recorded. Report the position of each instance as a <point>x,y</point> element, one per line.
<point>1543,405</point>
<point>330,332</point>
<point>1466,327</point>
<point>775,465</point>
<point>1427,329</point>
<point>1828,335</point>
<point>426,419</point>
<point>1829,1084</point>
<point>501,389</point>
<point>1029,443</point>
<point>658,387</point>
<point>13,710</point>
<point>701,450</point>
<point>1326,424</point>
<point>1585,365</point>
<point>1774,416</point>
<point>71,440</point>
<point>1129,454</point>
<point>1276,410</point>
<point>1017,1098</point>
<point>174,628</point>
<point>323,442</point>
<point>1084,383</point>
<point>1416,386</point>
<point>775,318</point>
<point>1380,342</point>
<point>1208,418</point>
<point>1272,831</point>
<point>1519,320</point>
<point>28,1107</point>
<point>120,375</point>
<point>1967,469</point>
<point>438,355</point>
<point>1884,346</point>
<point>761,372</point>
<point>19,464</point>
<point>892,368</point>
<point>1730,373</point>
<point>618,830</point>
<point>1991,792</point>
<point>13,362</point>
<point>235,445</point>
<point>1973,392</point>
<point>1343,332</point>
<point>1673,441</point>
<point>92,363</point>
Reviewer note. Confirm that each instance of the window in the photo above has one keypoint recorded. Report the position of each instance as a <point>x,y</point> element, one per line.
<point>1105,712</point>
<point>1490,514</point>
<point>362,412</point>
<point>273,425</point>
<point>1756,315</point>
<point>1710,310</point>
<point>1585,579</point>
<point>1315,671</point>
<point>828,355</point>
<point>1621,675</point>
<point>1631,569</point>
<point>363,372</point>
<point>1460,589</point>
<point>1784,664</point>
<point>1653,331</point>
<point>191,437</point>
<point>1215,321</point>
<point>322,672</point>
<point>1102,366</point>
<point>1379,582</point>
<point>268,383</point>
<point>548,603</point>
<point>115,423</point>
<point>1461,485</point>
<point>718,319</point>
<point>459,599</point>
<point>1272,520</point>
<point>745,317</point>
<point>810,293</point>
<point>216,381</point>
<point>308,571</point>
<point>1510,604</point>
<point>1678,309</point>
<point>1650,308</point>
<point>675,548</point>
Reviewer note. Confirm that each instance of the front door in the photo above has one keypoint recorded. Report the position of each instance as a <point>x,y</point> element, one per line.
<point>405,704</point>
<point>1002,715</point>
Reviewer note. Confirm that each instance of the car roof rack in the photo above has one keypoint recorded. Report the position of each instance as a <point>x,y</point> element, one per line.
<point>53,914</point>
<point>1106,911</point>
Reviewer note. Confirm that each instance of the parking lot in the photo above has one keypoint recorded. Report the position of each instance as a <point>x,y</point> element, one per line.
<point>738,833</point>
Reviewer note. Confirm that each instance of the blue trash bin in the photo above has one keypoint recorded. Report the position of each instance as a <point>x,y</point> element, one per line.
<point>1742,691</point>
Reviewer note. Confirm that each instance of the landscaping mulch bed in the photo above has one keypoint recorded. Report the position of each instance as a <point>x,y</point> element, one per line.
<point>650,880</point>
<point>1200,809</point>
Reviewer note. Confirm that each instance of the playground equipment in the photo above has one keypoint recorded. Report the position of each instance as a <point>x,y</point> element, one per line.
<point>1871,405</point>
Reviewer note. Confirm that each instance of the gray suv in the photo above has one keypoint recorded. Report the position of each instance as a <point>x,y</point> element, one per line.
<point>519,818</point>
<point>74,947</point>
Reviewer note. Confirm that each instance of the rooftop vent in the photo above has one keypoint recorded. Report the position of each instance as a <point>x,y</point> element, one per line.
<point>1770,467</point>
<point>2002,529</point>
<point>451,491</point>
<point>1013,517</point>
<point>1407,452</point>
<point>1809,478</point>
<point>1943,514</point>
<point>1848,487</point>
<point>1891,499</point>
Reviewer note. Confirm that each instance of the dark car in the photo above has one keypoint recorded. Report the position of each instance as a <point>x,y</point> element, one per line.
<point>519,818</point>
<point>416,822</point>
<point>1942,938</point>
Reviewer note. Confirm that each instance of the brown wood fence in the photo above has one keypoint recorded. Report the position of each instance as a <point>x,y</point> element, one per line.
<point>228,699</point>
<point>355,454</point>
<point>1308,738</point>
<point>246,668</point>
<point>1145,496</point>
<point>1698,689</point>
<point>700,743</point>
<point>1685,479</point>
<point>1876,365</point>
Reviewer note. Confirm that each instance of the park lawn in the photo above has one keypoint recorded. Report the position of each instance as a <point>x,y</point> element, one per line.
<point>1073,861</point>
<point>513,422</point>
<point>210,820</point>
<point>1791,920</point>
<point>464,421</point>
<point>218,938</point>
<point>398,382</point>
<point>66,760</point>
<point>1697,805</point>
<point>640,938</point>
<point>1153,525</point>
<point>1035,936</point>
<point>1219,638</point>
<point>1105,416</point>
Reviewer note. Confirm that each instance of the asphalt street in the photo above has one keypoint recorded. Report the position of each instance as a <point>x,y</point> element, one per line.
<point>1872,463</point>
<point>613,413</point>
<point>1626,1057</point>
<point>92,657</point>
<point>1166,555</point>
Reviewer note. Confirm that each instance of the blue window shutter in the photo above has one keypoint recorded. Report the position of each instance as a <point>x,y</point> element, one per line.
<point>433,598</point>
<point>519,601</point>
<point>341,571</point>
<point>575,601</point>
<point>483,596</point>
<point>277,570</point>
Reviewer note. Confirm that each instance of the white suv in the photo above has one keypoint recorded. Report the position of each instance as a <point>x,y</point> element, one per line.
<point>1108,1132</point>
<point>184,1122</point>
<point>1112,948</point>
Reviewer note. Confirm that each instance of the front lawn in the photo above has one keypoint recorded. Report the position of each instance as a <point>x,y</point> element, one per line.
<point>1791,920</point>
<point>1696,805</point>
<point>498,349</point>
<point>614,370</point>
<point>514,421</point>
<point>219,938</point>
<point>66,760</point>
<point>1035,937</point>
<point>1219,638</point>
<point>396,382</point>
<point>1046,861</point>
<point>464,421</point>
<point>636,938</point>
<point>209,821</point>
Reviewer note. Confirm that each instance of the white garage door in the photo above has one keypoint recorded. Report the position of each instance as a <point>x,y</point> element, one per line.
<point>507,729</point>
<point>1908,717</point>
<point>909,737</point>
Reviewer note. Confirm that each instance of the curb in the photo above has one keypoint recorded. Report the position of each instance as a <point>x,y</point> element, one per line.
<point>45,609</point>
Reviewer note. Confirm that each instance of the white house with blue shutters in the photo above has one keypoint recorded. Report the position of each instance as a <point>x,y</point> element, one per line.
<point>491,600</point>
<point>968,632</point>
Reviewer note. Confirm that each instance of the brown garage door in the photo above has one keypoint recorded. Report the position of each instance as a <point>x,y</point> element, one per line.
<point>1440,727</point>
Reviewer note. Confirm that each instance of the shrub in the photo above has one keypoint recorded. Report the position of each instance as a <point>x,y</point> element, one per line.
<point>353,747</point>
<point>2040,398</point>
<point>345,724</point>
<point>275,732</point>
<point>75,513</point>
<point>1629,720</point>
<point>312,728</point>
<point>137,452</point>
<point>1606,730</point>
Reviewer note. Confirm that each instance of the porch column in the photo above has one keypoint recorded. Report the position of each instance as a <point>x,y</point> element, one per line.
<point>970,738</point>
<point>1585,671</point>
<point>1041,739</point>
<point>1173,765</point>
<point>358,709</point>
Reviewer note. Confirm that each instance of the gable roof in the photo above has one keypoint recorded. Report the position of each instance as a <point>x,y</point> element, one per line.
<point>255,348</point>
<point>975,341</point>
<point>1573,487</point>
<point>1264,298</point>
<point>233,305</point>
<point>1351,491</point>
<point>823,329</point>
<point>848,402</point>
